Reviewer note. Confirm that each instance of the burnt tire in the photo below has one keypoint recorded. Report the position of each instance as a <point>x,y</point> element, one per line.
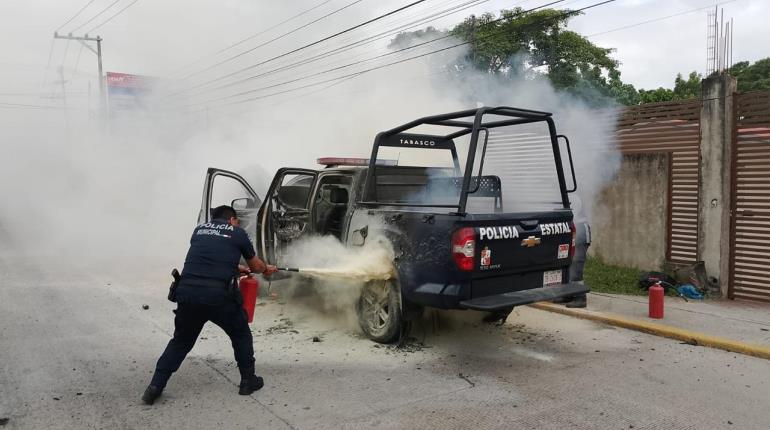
<point>379,311</point>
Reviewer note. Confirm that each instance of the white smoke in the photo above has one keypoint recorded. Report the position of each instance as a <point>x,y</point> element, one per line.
<point>325,257</point>
<point>75,186</point>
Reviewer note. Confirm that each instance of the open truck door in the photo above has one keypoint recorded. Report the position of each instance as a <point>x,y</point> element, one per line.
<point>223,187</point>
<point>285,214</point>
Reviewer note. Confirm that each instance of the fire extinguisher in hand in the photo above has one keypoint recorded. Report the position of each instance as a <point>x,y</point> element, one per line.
<point>249,287</point>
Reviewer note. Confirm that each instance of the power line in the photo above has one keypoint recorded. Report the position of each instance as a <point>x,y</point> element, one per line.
<point>27,106</point>
<point>112,17</point>
<point>76,15</point>
<point>294,30</point>
<point>35,94</point>
<point>339,33</point>
<point>355,74</point>
<point>401,83</point>
<point>351,75</point>
<point>77,63</point>
<point>446,36</point>
<point>255,35</point>
<point>659,19</point>
<point>95,16</point>
<point>333,69</point>
<point>47,65</point>
<point>66,51</point>
<point>361,42</point>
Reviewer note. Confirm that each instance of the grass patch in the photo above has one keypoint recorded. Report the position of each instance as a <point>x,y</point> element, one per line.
<point>607,278</point>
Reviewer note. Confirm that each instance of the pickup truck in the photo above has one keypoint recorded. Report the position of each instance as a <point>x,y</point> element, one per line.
<point>475,204</point>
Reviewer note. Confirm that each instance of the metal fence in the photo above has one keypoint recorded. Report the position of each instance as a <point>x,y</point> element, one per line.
<point>750,198</point>
<point>674,128</point>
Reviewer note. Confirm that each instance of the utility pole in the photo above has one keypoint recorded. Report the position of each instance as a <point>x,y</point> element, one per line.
<point>472,38</point>
<point>97,51</point>
<point>63,83</point>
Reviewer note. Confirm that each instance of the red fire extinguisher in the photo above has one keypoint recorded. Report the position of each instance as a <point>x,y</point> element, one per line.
<point>249,290</point>
<point>656,293</point>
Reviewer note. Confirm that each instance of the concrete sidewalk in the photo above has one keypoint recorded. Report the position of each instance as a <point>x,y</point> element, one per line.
<point>735,326</point>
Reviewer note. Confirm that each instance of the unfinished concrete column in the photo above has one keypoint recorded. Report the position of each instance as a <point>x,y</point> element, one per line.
<point>716,122</point>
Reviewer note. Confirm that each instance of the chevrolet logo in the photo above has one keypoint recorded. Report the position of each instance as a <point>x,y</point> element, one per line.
<point>530,241</point>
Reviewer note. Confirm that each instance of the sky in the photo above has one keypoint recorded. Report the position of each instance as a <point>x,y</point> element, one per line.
<point>163,38</point>
<point>221,105</point>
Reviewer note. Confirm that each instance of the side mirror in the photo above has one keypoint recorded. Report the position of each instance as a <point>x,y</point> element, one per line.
<point>358,238</point>
<point>243,203</point>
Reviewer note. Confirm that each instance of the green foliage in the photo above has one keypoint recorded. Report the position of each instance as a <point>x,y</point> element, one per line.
<point>687,88</point>
<point>403,40</point>
<point>519,44</point>
<point>752,77</point>
<point>524,44</point>
<point>683,89</point>
<point>606,278</point>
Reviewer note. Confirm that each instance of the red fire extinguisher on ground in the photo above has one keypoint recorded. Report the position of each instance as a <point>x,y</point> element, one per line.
<point>656,294</point>
<point>249,290</point>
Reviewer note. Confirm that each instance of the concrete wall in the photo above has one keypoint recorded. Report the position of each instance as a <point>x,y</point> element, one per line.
<point>714,203</point>
<point>630,216</point>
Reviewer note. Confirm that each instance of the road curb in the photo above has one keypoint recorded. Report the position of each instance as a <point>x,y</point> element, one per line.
<point>688,336</point>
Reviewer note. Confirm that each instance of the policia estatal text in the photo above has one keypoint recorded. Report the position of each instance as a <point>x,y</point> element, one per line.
<point>207,291</point>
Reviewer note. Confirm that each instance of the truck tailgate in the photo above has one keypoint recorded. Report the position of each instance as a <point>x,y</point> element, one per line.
<point>524,244</point>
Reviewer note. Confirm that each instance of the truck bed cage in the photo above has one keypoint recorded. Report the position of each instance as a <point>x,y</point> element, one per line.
<point>470,121</point>
<point>519,116</point>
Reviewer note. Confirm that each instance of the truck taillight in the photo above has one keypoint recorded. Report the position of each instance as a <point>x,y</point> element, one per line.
<point>574,236</point>
<point>464,248</point>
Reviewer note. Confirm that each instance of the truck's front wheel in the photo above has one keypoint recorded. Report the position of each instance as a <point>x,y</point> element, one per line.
<point>379,311</point>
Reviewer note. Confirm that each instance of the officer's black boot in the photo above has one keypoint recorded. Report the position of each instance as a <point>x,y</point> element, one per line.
<point>577,302</point>
<point>249,382</point>
<point>151,394</point>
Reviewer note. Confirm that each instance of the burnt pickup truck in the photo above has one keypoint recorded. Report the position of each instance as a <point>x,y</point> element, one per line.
<point>475,204</point>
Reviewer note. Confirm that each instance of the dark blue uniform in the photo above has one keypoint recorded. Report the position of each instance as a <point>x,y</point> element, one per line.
<point>205,294</point>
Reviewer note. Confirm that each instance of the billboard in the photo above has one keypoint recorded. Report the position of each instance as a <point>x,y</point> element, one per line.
<point>126,92</point>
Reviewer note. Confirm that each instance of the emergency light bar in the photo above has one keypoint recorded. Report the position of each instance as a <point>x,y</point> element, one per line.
<point>350,161</point>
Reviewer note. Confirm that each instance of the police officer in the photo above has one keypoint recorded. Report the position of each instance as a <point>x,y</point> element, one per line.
<point>207,292</point>
<point>582,242</point>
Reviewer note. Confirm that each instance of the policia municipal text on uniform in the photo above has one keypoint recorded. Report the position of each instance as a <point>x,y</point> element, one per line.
<point>208,291</point>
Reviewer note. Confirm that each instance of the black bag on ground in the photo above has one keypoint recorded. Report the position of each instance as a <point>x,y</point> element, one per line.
<point>648,279</point>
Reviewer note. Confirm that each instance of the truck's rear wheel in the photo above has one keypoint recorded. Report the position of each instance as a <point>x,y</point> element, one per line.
<point>379,311</point>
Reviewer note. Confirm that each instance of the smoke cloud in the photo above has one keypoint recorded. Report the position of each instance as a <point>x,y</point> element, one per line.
<point>78,187</point>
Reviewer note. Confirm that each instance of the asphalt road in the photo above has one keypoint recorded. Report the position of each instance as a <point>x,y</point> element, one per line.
<point>77,350</point>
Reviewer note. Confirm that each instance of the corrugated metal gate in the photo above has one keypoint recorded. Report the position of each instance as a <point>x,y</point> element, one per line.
<point>672,127</point>
<point>750,198</point>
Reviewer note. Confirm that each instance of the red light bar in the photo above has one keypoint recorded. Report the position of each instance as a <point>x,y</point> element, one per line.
<point>350,161</point>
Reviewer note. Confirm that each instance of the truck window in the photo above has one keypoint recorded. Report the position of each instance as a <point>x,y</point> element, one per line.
<point>515,173</point>
<point>331,204</point>
<point>417,157</point>
<point>294,191</point>
<point>522,158</point>
<point>225,190</point>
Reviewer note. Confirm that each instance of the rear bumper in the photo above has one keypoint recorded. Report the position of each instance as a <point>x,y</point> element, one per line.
<point>524,297</point>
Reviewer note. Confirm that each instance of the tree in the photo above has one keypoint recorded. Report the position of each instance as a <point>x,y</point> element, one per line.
<point>683,89</point>
<point>407,39</point>
<point>657,95</point>
<point>752,77</point>
<point>687,88</point>
<point>521,44</point>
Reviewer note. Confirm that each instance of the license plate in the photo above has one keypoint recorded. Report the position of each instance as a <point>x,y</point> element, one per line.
<point>552,277</point>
